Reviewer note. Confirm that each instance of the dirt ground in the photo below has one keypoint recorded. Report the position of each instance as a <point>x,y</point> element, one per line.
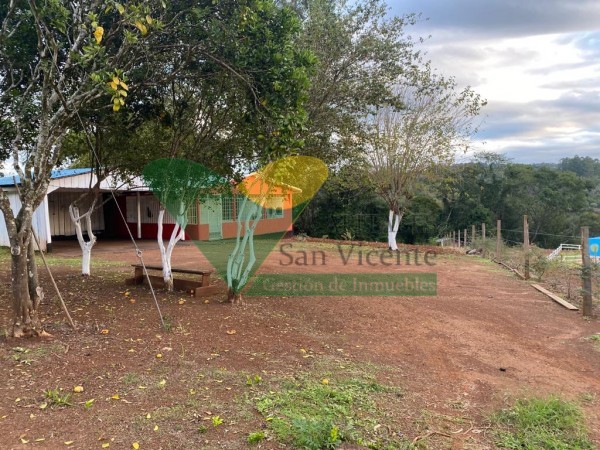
<point>484,340</point>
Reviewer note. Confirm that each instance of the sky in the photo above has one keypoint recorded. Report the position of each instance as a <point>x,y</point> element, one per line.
<point>536,62</point>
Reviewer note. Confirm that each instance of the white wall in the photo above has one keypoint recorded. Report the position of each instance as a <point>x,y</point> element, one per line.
<point>60,220</point>
<point>39,220</point>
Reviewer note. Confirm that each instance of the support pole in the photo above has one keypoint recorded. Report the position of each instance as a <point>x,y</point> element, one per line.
<point>483,232</point>
<point>454,239</point>
<point>458,238</point>
<point>472,235</point>
<point>498,239</point>
<point>526,246</point>
<point>586,272</point>
<point>465,237</point>
<point>139,217</point>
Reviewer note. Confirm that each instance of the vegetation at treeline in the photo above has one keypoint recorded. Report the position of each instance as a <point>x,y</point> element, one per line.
<point>557,198</point>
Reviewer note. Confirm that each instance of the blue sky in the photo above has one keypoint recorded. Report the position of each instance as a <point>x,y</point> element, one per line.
<point>537,62</point>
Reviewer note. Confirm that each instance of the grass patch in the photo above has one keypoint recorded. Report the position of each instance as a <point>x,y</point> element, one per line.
<point>316,410</point>
<point>595,338</point>
<point>542,423</point>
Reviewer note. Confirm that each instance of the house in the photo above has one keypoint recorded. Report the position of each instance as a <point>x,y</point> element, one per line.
<point>215,218</point>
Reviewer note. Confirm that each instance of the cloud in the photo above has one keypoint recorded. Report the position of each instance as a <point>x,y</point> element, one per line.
<point>504,18</point>
<point>537,62</point>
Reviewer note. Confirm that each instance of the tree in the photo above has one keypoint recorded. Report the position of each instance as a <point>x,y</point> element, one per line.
<point>361,52</point>
<point>411,143</point>
<point>56,58</point>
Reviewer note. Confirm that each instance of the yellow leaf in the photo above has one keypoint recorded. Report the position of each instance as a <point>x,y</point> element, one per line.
<point>148,416</point>
<point>162,382</point>
<point>44,405</point>
<point>105,445</point>
<point>159,355</point>
<point>116,397</point>
<point>231,331</point>
<point>98,33</point>
<point>120,8</point>
<point>124,86</point>
<point>78,389</point>
<point>140,26</point>
<point>181,301</point>
<point>149,20</point>
<point>302,351</point>
<point>40,439</point>
<point>116,108</point>
<point>69,442</point>
<point>325,381</point>
<point>155,427</point>
<point>24,441</point>
<point>116,80</point>
<point>121,101</point>
<point>124,94</point>
<point>135,445</point>
<point>105,331</point>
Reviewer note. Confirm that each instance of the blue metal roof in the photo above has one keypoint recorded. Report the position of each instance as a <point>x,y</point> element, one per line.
<point>61,173</point>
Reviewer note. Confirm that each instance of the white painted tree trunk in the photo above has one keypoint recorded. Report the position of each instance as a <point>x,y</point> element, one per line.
<point>237,274</point>
<point>86,246</point>
<point>166,252</point>
<point>393,226</point>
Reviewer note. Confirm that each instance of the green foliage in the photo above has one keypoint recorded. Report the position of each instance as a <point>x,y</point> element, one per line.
<point>542,423</point>
<point>312,413</point>
<point>255,437</point>
<point>55,397</point>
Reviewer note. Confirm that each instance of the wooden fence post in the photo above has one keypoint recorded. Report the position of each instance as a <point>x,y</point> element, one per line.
<point>472,234</point>
<point>454,239</point>
<point>498,239</point>
<point>526,246</point>
<point>458,238</point>
<point>586,272</point>
<point>483,232</point>
<point>465,237</point>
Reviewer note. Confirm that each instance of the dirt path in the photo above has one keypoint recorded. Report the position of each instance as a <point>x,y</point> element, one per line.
<point>484,340</point>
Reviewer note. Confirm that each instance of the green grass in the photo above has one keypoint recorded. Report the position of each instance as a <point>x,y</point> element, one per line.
<point>542,423</point>
<point>316,410</point>
<point>595,338</point>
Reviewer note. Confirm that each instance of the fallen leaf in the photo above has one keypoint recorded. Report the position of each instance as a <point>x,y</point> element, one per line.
<point>325,381</point>
<point>78,389</point>
<point>69,442</point>
<point>302,351</point>
<point>231,331</point>
<point>104,331</point>
<point>181,301</point>
<point>135,445</point>
<point>105,445</point>
<point>116,397</point>
<point>155,427</point>
<point>148,416</point>
<point>159,355</point>
<point>162,383</point>
<point>44,405</point>
<point>206,302</point>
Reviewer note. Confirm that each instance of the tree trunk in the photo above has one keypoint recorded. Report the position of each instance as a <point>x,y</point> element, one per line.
<point>166,252</point>
<point>234,297</point>
<point>393,226</point>
<point>86,247</point>
<point>26,296</point>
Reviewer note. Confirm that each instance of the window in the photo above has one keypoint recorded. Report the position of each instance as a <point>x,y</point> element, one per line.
<point>274,213</point>
<point>227,205</point>
<point>192,214</point>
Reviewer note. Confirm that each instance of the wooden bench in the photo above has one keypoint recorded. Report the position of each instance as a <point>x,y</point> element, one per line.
<point>197,287</point>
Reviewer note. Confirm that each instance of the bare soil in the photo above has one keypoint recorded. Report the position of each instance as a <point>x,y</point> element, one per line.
<point>486,339</point>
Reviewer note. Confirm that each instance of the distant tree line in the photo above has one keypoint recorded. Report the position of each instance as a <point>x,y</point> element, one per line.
<point>558,199</point>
